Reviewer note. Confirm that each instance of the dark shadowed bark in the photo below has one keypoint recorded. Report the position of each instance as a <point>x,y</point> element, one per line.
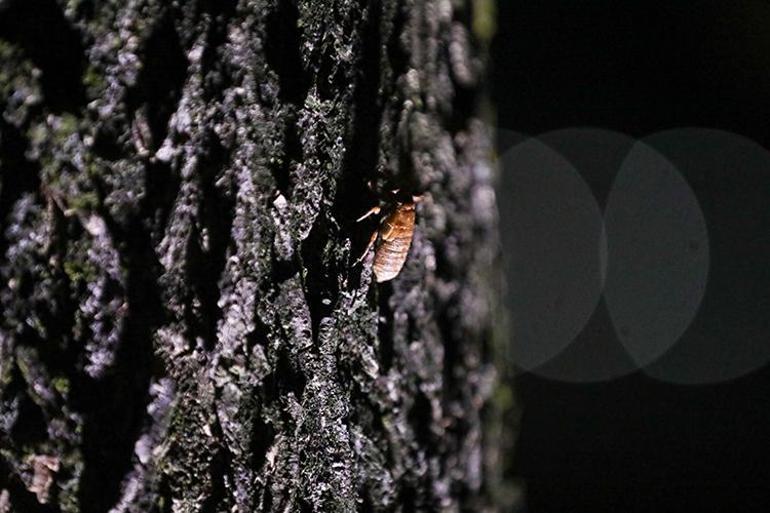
<point>183,326</point>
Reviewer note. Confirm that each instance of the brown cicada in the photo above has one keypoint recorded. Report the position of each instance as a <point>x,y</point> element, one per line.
<point>392,239</point>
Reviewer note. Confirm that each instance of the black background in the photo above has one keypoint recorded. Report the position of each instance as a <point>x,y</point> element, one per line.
<point>634,443</point>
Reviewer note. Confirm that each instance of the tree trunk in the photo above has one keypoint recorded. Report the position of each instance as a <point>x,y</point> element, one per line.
<point>184,326</point>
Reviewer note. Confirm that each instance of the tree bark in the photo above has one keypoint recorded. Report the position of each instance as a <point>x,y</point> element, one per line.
<point>184,327</point>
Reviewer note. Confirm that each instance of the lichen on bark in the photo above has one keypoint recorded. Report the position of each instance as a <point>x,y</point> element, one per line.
<point>184,328</point>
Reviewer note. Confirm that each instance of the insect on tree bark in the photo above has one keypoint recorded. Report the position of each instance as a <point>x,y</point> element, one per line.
<point>392,239</point>
<point>182,327</point>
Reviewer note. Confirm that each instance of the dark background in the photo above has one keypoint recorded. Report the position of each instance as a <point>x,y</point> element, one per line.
<point>638,67</point>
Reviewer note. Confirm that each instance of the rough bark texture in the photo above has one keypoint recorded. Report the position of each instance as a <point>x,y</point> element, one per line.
<point>183,328</point>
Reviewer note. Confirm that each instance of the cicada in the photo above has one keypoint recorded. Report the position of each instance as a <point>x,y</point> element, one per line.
<point>392,239</point>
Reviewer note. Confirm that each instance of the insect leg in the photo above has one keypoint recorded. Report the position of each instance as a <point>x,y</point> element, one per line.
<point>373,211</point>
<point>372,240</point>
